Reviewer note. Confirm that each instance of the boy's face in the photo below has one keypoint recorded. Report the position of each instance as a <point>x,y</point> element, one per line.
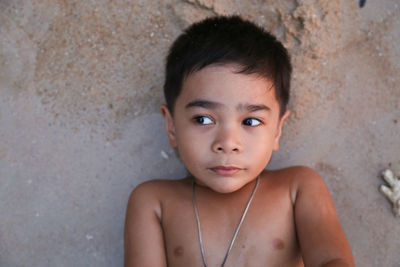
<point>225,126</point>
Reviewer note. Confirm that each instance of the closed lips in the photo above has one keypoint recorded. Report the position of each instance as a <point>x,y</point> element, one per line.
<point>225,170</point>
<point>228,168</point>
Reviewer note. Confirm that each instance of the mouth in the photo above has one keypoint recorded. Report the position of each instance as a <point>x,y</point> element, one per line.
<point>225,170</point>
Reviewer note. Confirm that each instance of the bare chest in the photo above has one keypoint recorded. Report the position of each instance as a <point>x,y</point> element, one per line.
<point>267,236</point>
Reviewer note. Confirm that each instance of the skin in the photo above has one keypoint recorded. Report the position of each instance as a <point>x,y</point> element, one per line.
<point>225,127</point>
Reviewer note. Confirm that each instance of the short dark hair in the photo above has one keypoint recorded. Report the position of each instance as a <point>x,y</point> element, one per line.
<point>227,40</point>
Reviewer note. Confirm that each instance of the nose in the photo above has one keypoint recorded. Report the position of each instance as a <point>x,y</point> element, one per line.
<point>227,141</point>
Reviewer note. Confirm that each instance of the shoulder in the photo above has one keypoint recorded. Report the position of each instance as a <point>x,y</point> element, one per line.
<point>299,175</point>
<point>149,188</point>
<point>149,195</point>
<point>307,189</point>
<point>297,179</point>
<point>304,177</point>
<point>296,173</point>
<point>157,188</point>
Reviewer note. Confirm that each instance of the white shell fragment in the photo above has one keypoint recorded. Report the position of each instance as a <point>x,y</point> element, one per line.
<point>164,154</point>
<point>392,192</point>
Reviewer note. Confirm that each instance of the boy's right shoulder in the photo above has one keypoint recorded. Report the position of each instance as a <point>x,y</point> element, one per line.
<point>158,187</point>
<point>150,194</point>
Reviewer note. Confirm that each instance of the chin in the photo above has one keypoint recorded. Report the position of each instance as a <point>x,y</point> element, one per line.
<point>226,187</point>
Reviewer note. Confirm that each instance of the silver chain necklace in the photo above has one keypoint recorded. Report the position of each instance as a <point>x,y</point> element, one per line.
<point>237,228</point>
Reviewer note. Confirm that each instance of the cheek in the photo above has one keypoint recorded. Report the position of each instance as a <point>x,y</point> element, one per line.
<point>259,139</point>
<point>193,156</point>
<point>191,144</point>
<point>260,145</point>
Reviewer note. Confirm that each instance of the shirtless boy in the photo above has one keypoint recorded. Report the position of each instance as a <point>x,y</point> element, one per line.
<point>227,87</point>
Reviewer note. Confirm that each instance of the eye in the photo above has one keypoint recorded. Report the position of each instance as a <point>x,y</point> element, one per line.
<point>204,120</point>
<point>251,122</point>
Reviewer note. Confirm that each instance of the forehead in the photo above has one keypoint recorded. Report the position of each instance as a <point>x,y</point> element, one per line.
<point>222,83</point>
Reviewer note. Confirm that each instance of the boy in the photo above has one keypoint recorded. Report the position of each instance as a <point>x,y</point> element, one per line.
<point>227,87</point>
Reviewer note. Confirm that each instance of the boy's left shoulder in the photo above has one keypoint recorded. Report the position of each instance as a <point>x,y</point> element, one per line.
<point>296,178</point>
<point>299,173</point>
<point>301,176</point>
<point>305,180</point>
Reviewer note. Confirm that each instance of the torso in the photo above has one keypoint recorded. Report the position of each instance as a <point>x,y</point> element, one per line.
<point>267,236</point>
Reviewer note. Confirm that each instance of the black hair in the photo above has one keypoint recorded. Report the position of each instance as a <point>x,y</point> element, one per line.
<point>227,40</point>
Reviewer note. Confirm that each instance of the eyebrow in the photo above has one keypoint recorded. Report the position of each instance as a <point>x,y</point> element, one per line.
<point>253,108</point>
<point>215,105</point>
<point>203,104</point>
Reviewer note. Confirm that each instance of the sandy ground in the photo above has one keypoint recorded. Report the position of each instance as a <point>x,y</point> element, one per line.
<point>80,89</point>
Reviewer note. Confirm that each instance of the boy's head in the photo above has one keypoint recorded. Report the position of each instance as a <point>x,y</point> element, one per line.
<point>227,86</point>
<point>227,40</point>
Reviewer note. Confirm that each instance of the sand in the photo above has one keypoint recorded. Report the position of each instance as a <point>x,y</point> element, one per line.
<point>80,89</point>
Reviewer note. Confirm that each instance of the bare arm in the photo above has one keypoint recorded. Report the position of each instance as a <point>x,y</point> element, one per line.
<point>143,237</point>
<point>321,238</point>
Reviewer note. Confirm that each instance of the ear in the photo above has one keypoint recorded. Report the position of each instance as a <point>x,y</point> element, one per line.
<point>279,130</point>
<point>169,125</point>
